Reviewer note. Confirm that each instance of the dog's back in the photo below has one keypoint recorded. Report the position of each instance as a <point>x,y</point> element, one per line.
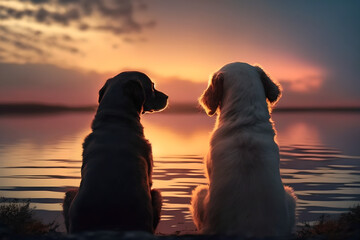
<point>115,189</point>
<point>245,195</point>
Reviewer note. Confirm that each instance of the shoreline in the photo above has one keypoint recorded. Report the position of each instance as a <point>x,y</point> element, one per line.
<point>343,226</point>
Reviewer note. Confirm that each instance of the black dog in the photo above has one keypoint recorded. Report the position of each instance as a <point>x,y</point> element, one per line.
<point>115,190</point>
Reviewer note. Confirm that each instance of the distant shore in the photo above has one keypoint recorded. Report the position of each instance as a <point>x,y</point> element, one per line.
<point>176,108</point>
<point>39,108</point>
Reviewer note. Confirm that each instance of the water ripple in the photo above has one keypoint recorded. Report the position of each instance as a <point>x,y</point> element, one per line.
<point>324,179</point>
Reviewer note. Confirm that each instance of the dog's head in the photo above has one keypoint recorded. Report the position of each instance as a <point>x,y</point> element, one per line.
<point>239,82</point>
<point>132,88</point>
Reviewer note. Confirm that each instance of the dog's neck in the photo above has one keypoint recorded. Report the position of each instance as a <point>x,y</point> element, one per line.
<point>242,114</point>
<point>106,116</point>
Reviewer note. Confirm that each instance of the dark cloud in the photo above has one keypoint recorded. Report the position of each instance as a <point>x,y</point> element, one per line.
<point>36,1</point>
<point>21,45</point>
<point>112,16</point>
<point>116,17</point>
<point>12,13</point>
<point>26,41</point>
<point>28,47</point>
<point>44,16</point>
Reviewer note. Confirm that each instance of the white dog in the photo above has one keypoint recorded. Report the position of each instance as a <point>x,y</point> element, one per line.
<point>245,195</point>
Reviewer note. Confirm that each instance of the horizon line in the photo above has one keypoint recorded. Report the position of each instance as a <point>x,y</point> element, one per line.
<point>32,108</point>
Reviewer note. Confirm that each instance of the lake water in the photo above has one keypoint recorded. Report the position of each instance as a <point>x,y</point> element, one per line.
<point>40,158</point>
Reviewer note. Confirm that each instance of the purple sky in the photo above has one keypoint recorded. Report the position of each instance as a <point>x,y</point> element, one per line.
<point>60,51</point>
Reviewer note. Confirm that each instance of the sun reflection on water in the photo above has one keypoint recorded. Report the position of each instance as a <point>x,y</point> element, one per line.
<point>40,158</point>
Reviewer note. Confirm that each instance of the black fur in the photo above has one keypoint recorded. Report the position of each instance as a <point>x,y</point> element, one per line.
<point>116,175</point>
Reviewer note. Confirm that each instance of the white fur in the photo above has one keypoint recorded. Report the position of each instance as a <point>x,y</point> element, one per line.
<point>245,194</point>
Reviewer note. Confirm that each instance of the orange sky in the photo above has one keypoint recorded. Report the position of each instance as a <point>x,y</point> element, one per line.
<point>177,43</point>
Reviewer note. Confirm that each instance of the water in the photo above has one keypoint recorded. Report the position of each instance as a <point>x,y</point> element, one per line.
<point>40,158</point>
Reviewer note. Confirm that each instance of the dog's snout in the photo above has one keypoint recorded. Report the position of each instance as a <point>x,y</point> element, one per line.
<point>161,95</point>
<point>165,97</point>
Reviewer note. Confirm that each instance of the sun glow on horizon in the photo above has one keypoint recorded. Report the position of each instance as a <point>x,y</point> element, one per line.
<point>177,47</point>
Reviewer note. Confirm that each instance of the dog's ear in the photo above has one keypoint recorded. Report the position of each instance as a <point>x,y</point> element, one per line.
<point>211,99</point>
<point>102,91</point>
<point>272,90</point>
<point>135,91</point>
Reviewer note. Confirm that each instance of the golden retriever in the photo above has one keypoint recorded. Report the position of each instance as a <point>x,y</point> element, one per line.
<point>245,195</point>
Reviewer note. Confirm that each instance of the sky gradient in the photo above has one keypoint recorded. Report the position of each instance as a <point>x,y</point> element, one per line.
<point>61,51</point>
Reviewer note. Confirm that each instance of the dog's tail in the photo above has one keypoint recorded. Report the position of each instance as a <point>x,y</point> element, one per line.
<point>198,205</point>
<point>291,205</point>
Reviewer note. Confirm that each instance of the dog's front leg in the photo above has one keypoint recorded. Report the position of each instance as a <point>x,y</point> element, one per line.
<point>208,164</point>
<point>156,200</point>
<point>69,197</point>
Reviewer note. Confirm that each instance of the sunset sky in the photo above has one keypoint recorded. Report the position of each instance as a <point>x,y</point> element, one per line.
<point>62,51</point>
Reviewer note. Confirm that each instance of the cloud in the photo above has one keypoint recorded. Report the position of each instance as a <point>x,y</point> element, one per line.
<point>24,22</point>
<point>306,84</point>
<point>48,83</point>
<point>43,15</point>
<point>5,54</point>
<point>112,16</point>
<point>25,43</point>
<point>40,15</point>
<point>51,84</point>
